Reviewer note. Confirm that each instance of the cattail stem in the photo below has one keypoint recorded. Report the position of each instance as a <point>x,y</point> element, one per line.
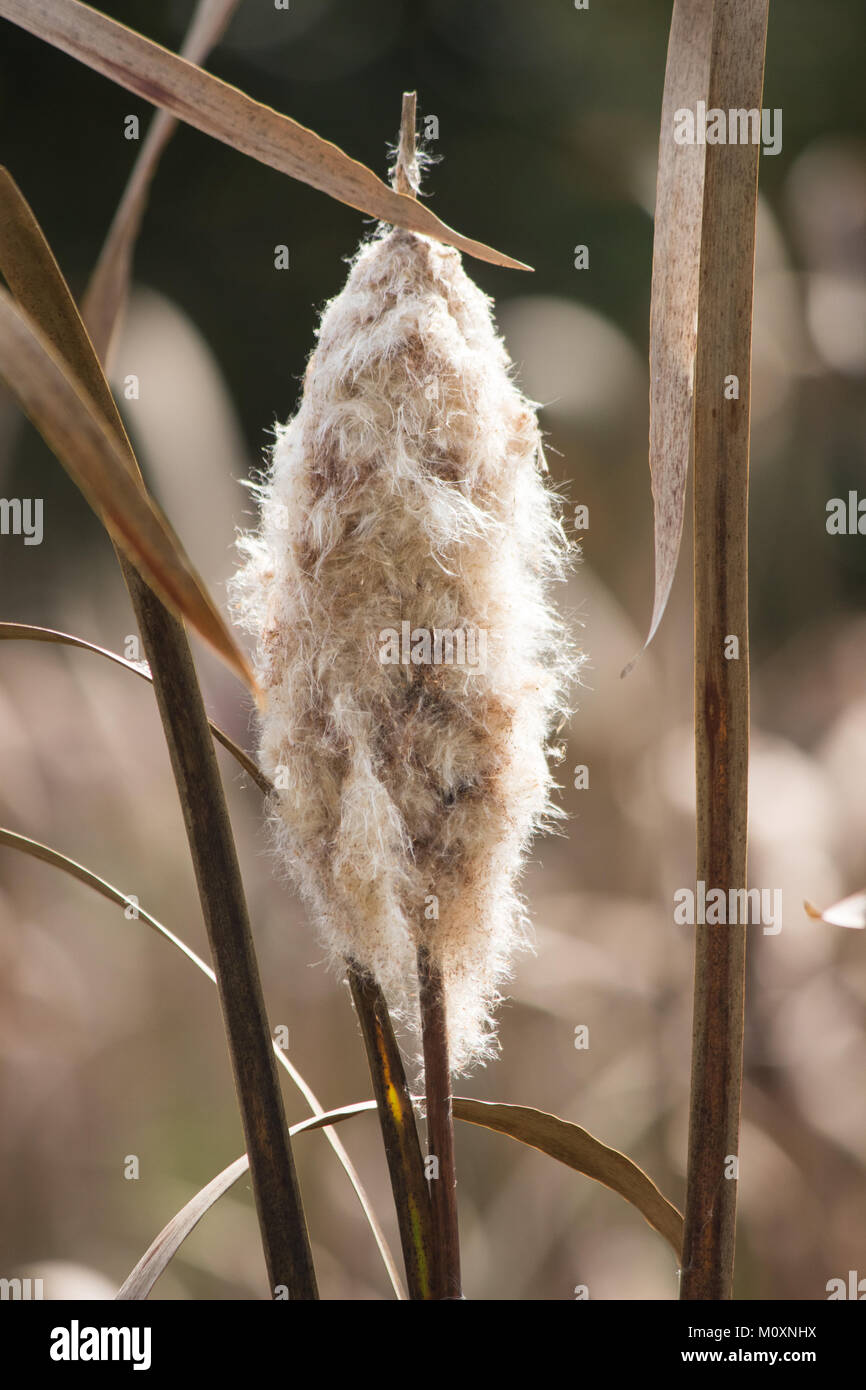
<point>440,1127</point>
<point>399,1133</point>
<point>276,1191</point>
<point>434,1031</point>
<point>406,178</point>
<point>721,433</point>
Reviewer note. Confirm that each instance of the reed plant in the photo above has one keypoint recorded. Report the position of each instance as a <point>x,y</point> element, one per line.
<point>410,490</point>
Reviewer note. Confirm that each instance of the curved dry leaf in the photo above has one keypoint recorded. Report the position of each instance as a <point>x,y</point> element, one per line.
<point>578,1149</point>
<point>229,115</point>
<point>156,1258</point>
<point>674,305</point>
<point>848,912</point>
<point>37,282</point>
<point>28,632</point>
<point>84,875</point>
<point>109,284</point>
<point>73,428</point>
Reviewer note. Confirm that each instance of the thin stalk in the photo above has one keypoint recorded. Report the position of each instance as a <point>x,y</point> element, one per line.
<point>399,1133</point>
<point>275,1184</point>
<point>440,1127</point>
<point>437,1073</point>
<point>721,435</point>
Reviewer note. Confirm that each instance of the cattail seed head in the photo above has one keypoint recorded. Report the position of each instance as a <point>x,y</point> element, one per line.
<point>406,499</point>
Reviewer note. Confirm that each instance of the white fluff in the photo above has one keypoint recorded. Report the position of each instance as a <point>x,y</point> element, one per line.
<point>408,488</point>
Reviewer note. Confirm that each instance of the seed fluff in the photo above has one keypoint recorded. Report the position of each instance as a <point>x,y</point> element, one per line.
<point>407,498</point>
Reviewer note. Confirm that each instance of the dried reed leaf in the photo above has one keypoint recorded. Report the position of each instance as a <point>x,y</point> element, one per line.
<point>848,912</point>
<point>28,632</point>
<point>578,1149</point>
<point>674,311</point>
<point>157,1257</point>
<point>229,115</point>
<point>109,284</point>
<point>84,875</point>
<point>35,850</point>
<point>566,1142</point>
<point>36,281</point>
<point>73,427</point>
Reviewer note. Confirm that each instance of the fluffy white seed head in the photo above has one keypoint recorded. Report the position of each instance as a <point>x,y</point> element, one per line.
<point>406,497</point>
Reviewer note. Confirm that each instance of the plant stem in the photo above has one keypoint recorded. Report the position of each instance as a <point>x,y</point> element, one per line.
<point>399,1133</point>
<point>437,1072</point>
<point>721,434</point>
<point>440,1127</point>
<point>193,759</point>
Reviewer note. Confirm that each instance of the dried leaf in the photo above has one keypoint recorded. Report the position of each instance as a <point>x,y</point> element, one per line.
<point>566,1142</point>
<point>13,631</point>
<point>848,912</point>
<point>212,106</point>
<point>576,1148</point>
<point>674,311</point>
<point>109,284</point>
<point>156,1258</point>
<point>73,427</point>
<point>84,875</point>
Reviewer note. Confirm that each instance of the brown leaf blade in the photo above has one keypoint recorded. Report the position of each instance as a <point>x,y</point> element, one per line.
<point>37,282</point>
<point>674,309</point>
<point>578,1149</point>
<point>72,426</point>
<point>229,115</point>
<point>161,1252</point>
<point>109,284</point>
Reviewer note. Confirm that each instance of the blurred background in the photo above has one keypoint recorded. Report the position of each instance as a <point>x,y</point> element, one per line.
<point>111,1042</point>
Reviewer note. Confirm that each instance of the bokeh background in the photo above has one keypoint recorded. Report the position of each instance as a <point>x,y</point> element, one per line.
<point>111,1042</point>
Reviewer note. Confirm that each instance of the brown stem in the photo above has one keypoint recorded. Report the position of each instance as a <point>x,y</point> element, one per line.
<point>437,1072</point>
<point>399,1133</point>
<point>274,1180</point>
<point>721,434</point>
<point>440,1126</point>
